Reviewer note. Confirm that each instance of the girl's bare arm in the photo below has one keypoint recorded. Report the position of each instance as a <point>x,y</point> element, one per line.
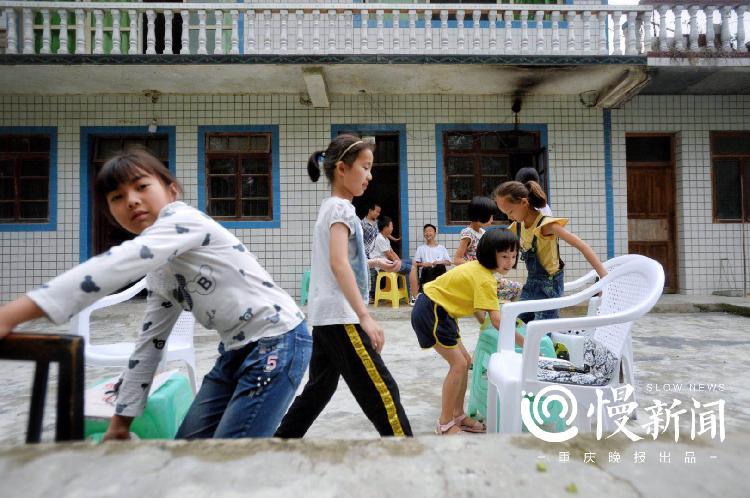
<point>17,312</point>
<point>575,241</point>
<point>461,252</point>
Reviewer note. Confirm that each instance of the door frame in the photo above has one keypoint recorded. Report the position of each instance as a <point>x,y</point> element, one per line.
<point>673,224</point>
<point>86,205</point>
<point>403,177</point>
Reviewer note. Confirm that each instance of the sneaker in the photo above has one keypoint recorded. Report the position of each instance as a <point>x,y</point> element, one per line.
<point>413,301</point>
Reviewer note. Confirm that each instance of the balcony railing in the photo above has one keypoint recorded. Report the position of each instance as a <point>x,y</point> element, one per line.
<point>411,28</point>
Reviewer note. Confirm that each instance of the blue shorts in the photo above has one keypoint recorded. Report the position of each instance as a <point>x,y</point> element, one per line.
<point>433,325</point>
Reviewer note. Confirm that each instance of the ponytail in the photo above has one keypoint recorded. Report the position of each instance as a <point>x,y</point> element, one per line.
<point>313,165</point>
<point>517,191</point>
<point>537,197</point>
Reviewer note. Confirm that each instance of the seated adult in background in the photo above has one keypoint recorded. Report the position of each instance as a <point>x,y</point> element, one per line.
<point>430,261</point>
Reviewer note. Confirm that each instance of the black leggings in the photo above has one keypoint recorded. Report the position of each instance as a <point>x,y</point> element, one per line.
<point>346,350</point>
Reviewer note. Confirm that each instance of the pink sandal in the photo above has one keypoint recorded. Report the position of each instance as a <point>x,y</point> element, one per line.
<point>442,429</point>
<point>476,427</point>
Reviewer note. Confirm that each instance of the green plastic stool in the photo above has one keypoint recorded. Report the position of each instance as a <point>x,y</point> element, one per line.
<point>162,417</point>
<point>486,346</point>
<point>304,288</point>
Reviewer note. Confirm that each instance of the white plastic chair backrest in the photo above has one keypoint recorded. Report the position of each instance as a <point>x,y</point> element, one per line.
<point>635,287</point>
<point>609,265</point>
<point>182,332</point>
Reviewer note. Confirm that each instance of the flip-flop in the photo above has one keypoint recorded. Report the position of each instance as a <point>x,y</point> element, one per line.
<point>442,429</point>
<point>477,427</point>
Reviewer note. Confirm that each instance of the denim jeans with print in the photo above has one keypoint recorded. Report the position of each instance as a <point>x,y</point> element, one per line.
<point>249,390</point>
<point>540,285</point>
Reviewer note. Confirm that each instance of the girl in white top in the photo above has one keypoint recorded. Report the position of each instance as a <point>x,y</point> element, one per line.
<point>481,212</point>
<point>346,340</point>
<point>191,263</point>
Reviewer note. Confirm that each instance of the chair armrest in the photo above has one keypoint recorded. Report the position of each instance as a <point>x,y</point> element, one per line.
<point>581,282</point>
<point>119,297</point>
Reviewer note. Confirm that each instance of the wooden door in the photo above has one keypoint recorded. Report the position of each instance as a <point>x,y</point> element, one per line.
<point>651,201</point>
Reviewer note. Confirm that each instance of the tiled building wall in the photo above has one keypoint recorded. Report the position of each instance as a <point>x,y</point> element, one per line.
<point>575,153</point>
<point>702,244</point>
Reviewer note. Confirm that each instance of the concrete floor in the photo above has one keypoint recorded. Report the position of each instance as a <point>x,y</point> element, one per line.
<point>701,354</point>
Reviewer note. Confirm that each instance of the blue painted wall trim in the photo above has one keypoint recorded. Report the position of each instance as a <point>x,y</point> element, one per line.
<point>86,203</point>
<point>403,179</point>
<point>51,225</point>
<point>442,128</point>
<point>608,182</point>
<point>275,172</point>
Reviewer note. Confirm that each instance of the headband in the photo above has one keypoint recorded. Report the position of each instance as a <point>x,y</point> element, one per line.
<point>347,150</point>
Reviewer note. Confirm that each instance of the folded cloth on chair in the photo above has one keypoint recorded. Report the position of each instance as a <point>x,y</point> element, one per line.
<point>600,359</point>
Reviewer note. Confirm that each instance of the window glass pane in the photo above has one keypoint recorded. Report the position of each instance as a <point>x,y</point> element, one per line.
<point>260,143</point>
<point>255,208</point>
<point>33,210</point>
<point>648,149</point>
<point>221,165</point>
<point>159,146</point>
<point>727,174</point>
<point>240,142</point>
<point>108,147</point>
<point>489,183</point>
<point>527,142</point>
<point>255,165</point>
<point>460,188</point>
<point>460,142</point>
<point>218,143</point>
<point>254,186</point>
<point>6,211</point>
<point>33,189</point>
<point>731,144</point>
<point>34,167</point>
<point>133,142</point>
<point>6,168</point>
<point>460,165</point>
<point>387,150</point>
<point>459,212</point>
<point>490,142</point>
<point>221,208</point>
<point>18,144</point>
<point>39,143</point>
<point>494,165</point>
<point>222,186</point>
<point>7,190</point>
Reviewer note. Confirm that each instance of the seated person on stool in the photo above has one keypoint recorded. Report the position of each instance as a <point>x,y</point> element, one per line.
<point>429,262</point>
<point>381,249</point>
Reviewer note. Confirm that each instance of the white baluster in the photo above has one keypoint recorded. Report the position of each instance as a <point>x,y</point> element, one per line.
<point>168,47</point>
<point>364,30</point>
<point>185,39</point>
<point>396,31</point>
<point>476,16</point>
<point>493,31</point>
<point>679,39</point>
<point>46,32</point>
<point>555,41</point>
<point>524,31</point>
<point>316,31</point>
<point>98,31</point>
<point>602,25</point>
<point>648,31</point>
<point>299,16</point>
<point>741,35</point>
<point>116,50</point>
<point>202,33</point>
<point>508,18</point>
<point>235,38</point>
<point>710,33</point>
<point>28,32</point>
<point>443,30</point>
<point>348,31</point>
<point>631,43</point>
<point>133,32</point>
<point>284,40</point>
<point>412,31</point>
<point>251,37</point>
<point>63,48</point>
<point>539,20</point>
<point>150,32</point>
<point>331,31</point>
<point>726,39</point>
<point>267,42</point>
<point>80,32</point>
<point>428,30</point>
<point>619,33</point>
<point>663,43</point>
<point>693,38</point>
<point>571,16</point>
<point>381,35</point>
<point>218,32</point>
<point>12,44</point>
<point>587,31</point>
<point>461,41</point>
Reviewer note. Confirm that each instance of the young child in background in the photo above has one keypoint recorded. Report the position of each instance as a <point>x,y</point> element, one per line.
<point>468,289</point>
<point>191,263</point>
<point>430,261</point>
<point>481,211</point>
<point>346,340</point>
<point>539,235</point>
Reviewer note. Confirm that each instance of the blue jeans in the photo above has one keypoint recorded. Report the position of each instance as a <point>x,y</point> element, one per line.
<point>249,389</point>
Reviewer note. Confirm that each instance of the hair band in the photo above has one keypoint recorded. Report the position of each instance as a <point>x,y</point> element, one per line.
<point>347,150</point>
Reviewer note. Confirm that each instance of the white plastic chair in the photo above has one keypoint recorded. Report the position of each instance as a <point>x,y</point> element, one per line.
<point>179,346</point>
<point>629,291</point>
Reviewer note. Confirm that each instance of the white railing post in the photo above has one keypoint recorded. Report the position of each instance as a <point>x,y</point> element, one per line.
<point>28,31</point>
<point>46,32</point>
<point>379,15</point>
<point>299,16</point>
<point>602,25</point>
<point>524,31</point>
<point>493,31</point>
<point>540,43</point>
<point>395,31</point>
<point>679,39</point>
<point>571,16</point>
<point>133,32</point>
<point>12,47</point>
<point>80,32</point>
<point>284,40</point>
<point>348,31</point>
<point>412,31</point>
<point>443,30</point>
<point>726,39</point>
<point>428,30</point>
<point>150,32</point>
<point>663,44</point>
<point>98,31</point>
<point>587,31</point>
<point>364,30</point>
<point>476,16</point>
<point>202,50</point>
<point>267,41</point>
<point>555,41</point>
<point>710,34</point>
<point>741,35</point>
<point>168,42</point>
<point>693,12</point>
<point>63,48</point>
<point>631,48</point>
<point>116,50</point>
<point>218,32</point>
<point>185,39</point>
<point>508,27</point>
<point>331,31</point>
<point>235,14</point>
<point>461,40</point>
<point>316,31</point>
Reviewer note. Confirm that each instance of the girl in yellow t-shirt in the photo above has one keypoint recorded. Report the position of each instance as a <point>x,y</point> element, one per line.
<point>539,234</point>
<point>468,289</point>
